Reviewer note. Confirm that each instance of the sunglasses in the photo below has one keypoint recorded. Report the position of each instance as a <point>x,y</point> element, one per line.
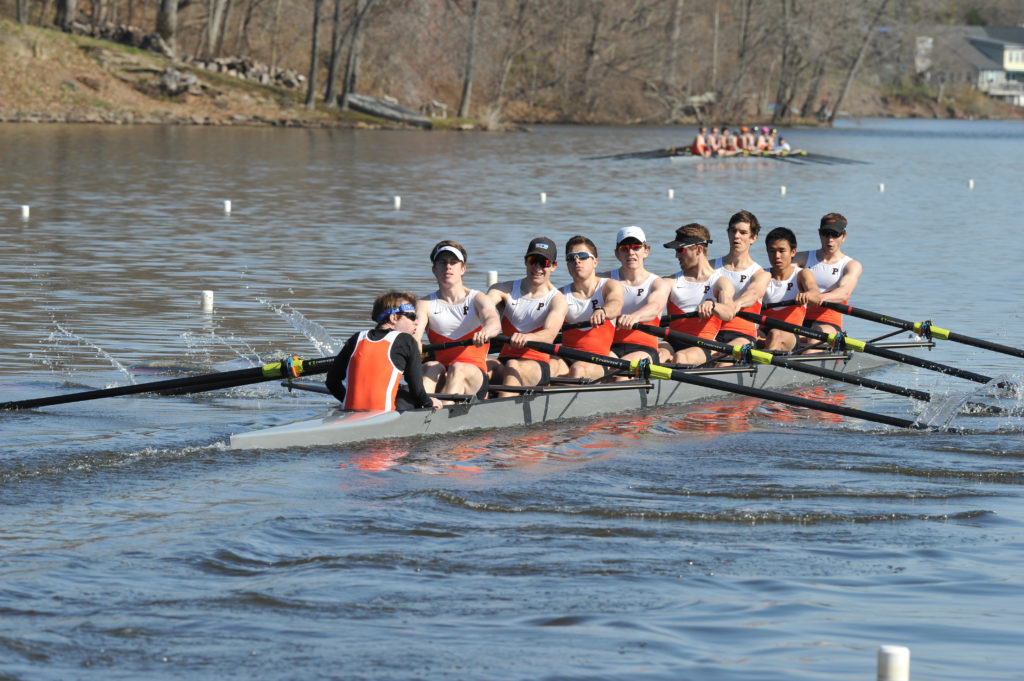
<point>573,257</point>
<point>411,316</point>
<point>538,261</point>
<point>830,234</point>
<point>680,249</point>
<point>626,248</point>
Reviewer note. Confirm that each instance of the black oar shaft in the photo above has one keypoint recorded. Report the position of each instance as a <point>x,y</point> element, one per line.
<point>922,327</point>
<point>189,384</point>
<point>867,348</point>
<point>768,358</point>
<point>684,377</point>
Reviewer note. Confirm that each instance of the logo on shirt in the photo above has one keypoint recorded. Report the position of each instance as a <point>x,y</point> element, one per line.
<point>707,288</point>
<point>465,309</point>
<point>540,306</point>
<point>743,278</point>
<point>639,292</point>
<point>789,286</point>
<point>593,304</point>
<point>835,271</point>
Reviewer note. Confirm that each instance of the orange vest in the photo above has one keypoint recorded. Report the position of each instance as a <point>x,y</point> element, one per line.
<point>597,340</point>
<point>371,380</point>
<point>695,326</point>
<point>791,314</point>
<point>470,354</point>
<point>509,352</point>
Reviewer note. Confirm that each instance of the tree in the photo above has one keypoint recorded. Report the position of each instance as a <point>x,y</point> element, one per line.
<point>337,39</point>
<point>355,48</point>
<point>467,82</point>
<point>315,56</point>
<point>868,34</point>
<point>215,21</point>
<point>166,23</point>
<point>66,10</point>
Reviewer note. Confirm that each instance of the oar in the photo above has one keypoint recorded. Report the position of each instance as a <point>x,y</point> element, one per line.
<point>652,153</point>
<point>447,345</point>
<point>748,354</point>
<point>924,329</point>
<point>861,346</point>
<point>293,368</point>
<point>666,373</point>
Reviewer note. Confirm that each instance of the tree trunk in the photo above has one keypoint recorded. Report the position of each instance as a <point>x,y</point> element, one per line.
<point>314,57</point>
<point>807,110</point>
<point>467,83</point>
<point>274,36</point>
<point>167,23</point>
<point>337,40</point>
<point>66,11</point>
<point>213,24</point>
<point>22,11</point>
<point>351,79</point>
<point>856,62</point>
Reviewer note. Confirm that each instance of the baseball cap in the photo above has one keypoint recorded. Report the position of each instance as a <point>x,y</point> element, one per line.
<point>833,223</point>
<point>631,232</point>
<point>543,246</point>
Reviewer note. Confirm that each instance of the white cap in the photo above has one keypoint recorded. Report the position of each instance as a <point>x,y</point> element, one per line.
<point>631,232</point>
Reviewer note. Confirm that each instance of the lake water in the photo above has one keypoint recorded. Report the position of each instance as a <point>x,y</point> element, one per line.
<point>734,540</point>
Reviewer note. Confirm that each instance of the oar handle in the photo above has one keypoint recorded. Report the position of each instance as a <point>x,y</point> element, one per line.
<point>447,345</point>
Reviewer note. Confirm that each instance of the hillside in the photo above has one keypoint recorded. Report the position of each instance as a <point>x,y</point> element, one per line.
<point>50,76</point>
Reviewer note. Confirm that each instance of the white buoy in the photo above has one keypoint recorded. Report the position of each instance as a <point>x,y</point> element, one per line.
<point>782,190</point>
<point>881,187</point>
<point>671,193</point>
<point>25,210</point>
<point>206,301</point>
<point>398,203</point>
<point>492,278</point>
<point>970,184</point>
<point>543,197</point>
<point>227,207</point>
<point>893,663</point>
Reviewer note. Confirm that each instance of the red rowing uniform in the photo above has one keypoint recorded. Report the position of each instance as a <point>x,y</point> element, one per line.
<point>633,298</point>
<point>740,281</point>
<point>371,381</point>
<point>588,339</point>
<point>780,291</point>
<point>525,315</point>
<point>685,297</point>
<point>827,275</point>
<point>456,322</point>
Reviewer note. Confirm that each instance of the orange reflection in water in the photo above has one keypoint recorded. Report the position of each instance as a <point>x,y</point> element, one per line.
<point>723,416</point>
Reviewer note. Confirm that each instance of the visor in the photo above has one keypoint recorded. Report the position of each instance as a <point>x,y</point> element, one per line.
<point>404,307</point>
<point>683,241</point>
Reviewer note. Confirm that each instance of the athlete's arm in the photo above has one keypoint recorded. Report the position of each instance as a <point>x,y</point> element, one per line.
<point>613,297</point>
<point>405,354</point>
<point>844,288</point>
<point>557,309</point>
<point>755,290</point>
<point>653,308</point>
<point>488,313</point>
<point>808,289</point>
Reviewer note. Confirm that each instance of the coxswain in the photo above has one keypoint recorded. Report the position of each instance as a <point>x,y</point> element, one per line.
<point>365,375</point>
<point>789,283</point>
<point>532,309</point>
<point>749,279</point>
<point>835,273</point>
<point>700,143</point>
<point>456,313</point>
<point>783,147</point>
<point>699,289</point>
<point>593,303</point>
<point>644,296</point>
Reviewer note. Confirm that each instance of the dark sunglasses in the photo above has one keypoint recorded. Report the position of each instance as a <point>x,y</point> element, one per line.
<point>573,257</point>
<point>538,261</point>
<point>830,234</point>
<point>626,248</point>
<point>411,316</point>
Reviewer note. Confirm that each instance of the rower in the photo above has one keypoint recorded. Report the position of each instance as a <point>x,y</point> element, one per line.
<point>456,313</point>
<point>788,283</point>
<point>714,141</point>
<point>697,287</point>
<point>749,279</point>
<point>592,301</point>
<point>532,309</point>
<point>783,147</point>
<point>835,273</point>
<point>644,296</point>
<point>747,140</point>
<point>700,143</point>
<point>366,373</point>
<point>761,144</point>
<point>730,145</point>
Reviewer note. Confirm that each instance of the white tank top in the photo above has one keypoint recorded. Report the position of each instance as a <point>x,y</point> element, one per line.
<point>826,274</point>
<point>454,320</point>
<point>527,314</point>
<point>740,279</point>
<point>781,290</point>
<point>634,297</point>
<point>687,295</point>
<point>581,309</point>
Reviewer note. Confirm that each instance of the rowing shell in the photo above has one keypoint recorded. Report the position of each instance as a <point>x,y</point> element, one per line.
<point>536,405</point>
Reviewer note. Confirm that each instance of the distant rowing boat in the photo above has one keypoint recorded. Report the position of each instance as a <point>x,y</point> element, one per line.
<point>686,155</point>
<point>539,405</point>
<point>390,111</point>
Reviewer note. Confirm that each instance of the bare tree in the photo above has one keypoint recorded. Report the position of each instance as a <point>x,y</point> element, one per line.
<point>337,40</point>
<point>167,23</point>
<point>355,48</point>
<point>868,34</point>
<point>467,82</point>
<point>215,20</point>
<point>314,57</point>
<point>22,11</point>
<point>66,11</point>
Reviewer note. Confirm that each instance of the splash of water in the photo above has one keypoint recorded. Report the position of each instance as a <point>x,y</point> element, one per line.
<point>61,337</point>
<point>1001,389</point>
<point>199,345</point>
<point>313,332</point>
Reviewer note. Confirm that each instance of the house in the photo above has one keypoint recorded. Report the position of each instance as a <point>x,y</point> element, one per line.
<point>988,58</point>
